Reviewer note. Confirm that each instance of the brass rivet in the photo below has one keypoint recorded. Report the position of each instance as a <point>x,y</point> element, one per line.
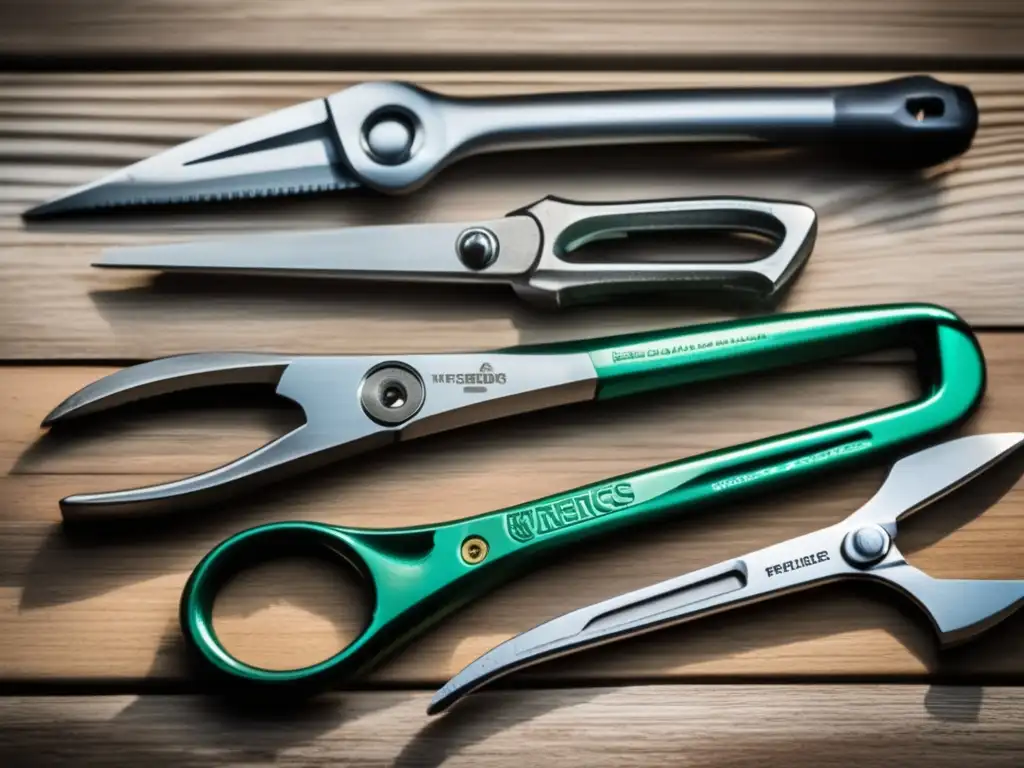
<point>474,550</point>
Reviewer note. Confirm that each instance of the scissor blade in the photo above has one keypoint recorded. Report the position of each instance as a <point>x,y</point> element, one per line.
<point>420,251</point>
<point>166,375</point>
<point>925,476</point>
<point>642,610</point>
<point>287,152</point>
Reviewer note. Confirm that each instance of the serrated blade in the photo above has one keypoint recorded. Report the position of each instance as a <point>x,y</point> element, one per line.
<point>291,151</point>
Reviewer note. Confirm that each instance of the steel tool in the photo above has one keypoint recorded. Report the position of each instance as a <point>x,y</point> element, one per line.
<point>355,403</point>
<point>393,137</point>
<point>534,249</point>
<point>418,575</point>
<point>860,547</point>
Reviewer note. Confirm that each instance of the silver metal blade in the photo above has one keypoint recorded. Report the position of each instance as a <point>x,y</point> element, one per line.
<point>927,475</point>
<point>720,587</point>
<point>166,375</point>
<point>420,251</point>
<point>290,151</point>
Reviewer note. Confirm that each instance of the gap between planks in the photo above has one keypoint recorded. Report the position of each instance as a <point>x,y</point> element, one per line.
<point>475,31</point>
<point>693,726</point>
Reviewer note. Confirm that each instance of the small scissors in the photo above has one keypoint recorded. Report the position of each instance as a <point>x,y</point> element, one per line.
<point>535,249</point>
<point>416,576</point>
<point>860,547</point>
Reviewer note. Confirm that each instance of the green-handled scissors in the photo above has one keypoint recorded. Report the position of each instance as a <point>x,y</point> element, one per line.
<point>418,575</point>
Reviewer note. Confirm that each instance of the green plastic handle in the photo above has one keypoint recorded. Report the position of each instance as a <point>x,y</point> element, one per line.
<point>416,576</point>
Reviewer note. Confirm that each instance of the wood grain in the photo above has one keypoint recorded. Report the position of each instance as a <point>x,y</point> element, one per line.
<point>676,30</point>
<point>692,726</point>
<point>115,591</point>
<point>952,236</point>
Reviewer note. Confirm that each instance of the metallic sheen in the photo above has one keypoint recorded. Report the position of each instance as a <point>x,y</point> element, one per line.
<point>533,249</point>
<point>468,388</point>
<point>958,609</point>
<point>335,142</point>
<point>416,576</point>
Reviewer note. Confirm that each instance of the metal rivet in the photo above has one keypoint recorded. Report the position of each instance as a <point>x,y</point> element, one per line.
<point>392,394</point>
<point>477,248</point>
<point>474,549</point>
<point>866,545</point>
<point>390,139</point>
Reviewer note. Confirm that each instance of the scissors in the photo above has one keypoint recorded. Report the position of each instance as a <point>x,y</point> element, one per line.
<point>535,250</point>
<point>394,137</point>
<point>358,403</point>
<point>416,576</point>
<point>860,547</point>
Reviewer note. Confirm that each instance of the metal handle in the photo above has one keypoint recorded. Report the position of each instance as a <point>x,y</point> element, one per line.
<point>226,561</point>
<point>568,225</point>
<point>641,362</point>
<point>396,136</point>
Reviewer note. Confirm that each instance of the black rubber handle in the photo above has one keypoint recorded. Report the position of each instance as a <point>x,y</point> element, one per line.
<point>917,121</point>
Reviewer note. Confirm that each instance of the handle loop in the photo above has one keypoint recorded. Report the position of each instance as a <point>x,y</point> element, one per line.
<point>235,554</point>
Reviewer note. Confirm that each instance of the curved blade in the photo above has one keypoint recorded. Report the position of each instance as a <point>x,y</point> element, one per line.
<point>302,449</point>
<point>169,374</point>
<point>914,481</point>
<point>287,152</point>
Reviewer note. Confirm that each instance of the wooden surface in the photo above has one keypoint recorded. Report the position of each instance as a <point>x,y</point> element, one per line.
<point>843,675</point>
<point>521,30</point>
<point>122,593</point>
<point>677,726</point>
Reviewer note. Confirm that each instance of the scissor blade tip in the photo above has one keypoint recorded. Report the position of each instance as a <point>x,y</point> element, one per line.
<point>59,413</point>
<point>443,700</point>
<point>51,208</point>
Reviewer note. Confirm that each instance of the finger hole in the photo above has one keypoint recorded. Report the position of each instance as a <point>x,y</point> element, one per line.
<point>290,613</point>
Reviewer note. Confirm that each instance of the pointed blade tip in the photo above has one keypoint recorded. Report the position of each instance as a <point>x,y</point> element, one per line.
<point>57,414</point>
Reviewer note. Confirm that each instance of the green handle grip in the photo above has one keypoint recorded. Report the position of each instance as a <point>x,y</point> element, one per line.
<point>643,362</point>
<point>416,576</point>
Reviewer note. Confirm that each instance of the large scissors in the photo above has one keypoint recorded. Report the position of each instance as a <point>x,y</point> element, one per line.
<point>535,249</point>
<point>358,403</point>
<point>393,137</point>
<point>416,576</point>
<point>860,547</point>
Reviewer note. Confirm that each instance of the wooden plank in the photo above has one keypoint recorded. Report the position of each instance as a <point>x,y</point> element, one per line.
<point>676,30</point>
<point>880,234</point>
<point>104,607</point>
<point>692,726</point>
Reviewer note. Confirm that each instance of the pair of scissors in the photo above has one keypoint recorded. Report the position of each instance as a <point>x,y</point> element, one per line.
<point>394,137</point>
<point>860,547</point>
<point>416,576</point>
<point>538,250</point>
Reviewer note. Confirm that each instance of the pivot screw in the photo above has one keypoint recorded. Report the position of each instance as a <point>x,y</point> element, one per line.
<point>392,394</point>
<point>390,139</point>
<point>866,545</point>
<point>474,549</point>
<point>477,248</point>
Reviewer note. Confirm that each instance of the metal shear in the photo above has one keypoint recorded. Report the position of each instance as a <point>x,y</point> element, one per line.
<point>416,576</point>
<point>393,137</point>
<point>356,403</point>
<point>860,547</point>
<point>534,249</point>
